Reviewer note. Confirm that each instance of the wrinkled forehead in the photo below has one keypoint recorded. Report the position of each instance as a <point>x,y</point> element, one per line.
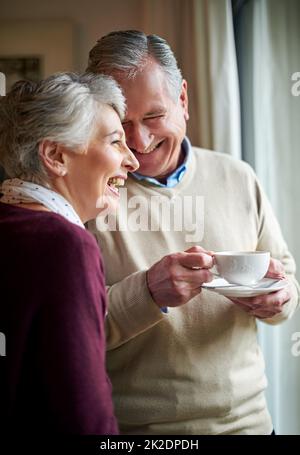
<point>147,91</point>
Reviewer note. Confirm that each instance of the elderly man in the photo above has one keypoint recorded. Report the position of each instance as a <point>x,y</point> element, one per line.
<point>182,359</point>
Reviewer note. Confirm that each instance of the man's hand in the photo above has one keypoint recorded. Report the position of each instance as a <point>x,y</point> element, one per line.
<point>275,270</point>
<point>267,305</point>
<point>178,277</point>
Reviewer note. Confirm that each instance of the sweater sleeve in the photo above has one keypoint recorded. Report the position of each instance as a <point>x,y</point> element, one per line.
<point>131,310</point>
<point>270,238</point>
<point>71,329</point>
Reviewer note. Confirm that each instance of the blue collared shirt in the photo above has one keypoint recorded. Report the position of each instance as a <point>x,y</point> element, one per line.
<point>176,176</point>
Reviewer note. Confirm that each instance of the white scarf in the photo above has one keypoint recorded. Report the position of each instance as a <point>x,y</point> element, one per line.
<point>16,191</point>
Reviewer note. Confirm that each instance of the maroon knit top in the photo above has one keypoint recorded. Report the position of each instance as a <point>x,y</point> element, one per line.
<point>52,310</point>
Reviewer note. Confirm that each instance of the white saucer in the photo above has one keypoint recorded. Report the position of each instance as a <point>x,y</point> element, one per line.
<point>264,286</point>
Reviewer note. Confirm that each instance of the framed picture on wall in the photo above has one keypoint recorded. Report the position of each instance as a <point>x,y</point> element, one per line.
<point>21,68</point>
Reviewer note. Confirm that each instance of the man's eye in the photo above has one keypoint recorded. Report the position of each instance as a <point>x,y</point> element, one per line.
<point>117,141</point>
<point>155,117</point>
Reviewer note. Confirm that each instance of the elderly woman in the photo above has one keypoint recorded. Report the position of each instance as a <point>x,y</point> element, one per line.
<point>62,146</point>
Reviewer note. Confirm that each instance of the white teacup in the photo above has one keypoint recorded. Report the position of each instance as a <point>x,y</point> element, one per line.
<point>245,268</point>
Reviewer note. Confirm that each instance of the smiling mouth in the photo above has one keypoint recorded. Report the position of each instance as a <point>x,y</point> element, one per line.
<point>114,183</point>
<point>150,150</point>
<point>156,146</point>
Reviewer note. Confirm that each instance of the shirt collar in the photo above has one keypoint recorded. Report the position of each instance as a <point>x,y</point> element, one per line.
<point>176,176</point>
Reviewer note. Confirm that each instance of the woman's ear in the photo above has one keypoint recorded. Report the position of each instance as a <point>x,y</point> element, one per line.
<point>53,157</point>
<point>184,99</point>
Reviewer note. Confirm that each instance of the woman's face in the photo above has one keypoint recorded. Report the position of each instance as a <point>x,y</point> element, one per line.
<point>94,175</point>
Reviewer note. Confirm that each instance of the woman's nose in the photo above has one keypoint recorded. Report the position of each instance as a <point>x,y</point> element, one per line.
<point>130,161</point>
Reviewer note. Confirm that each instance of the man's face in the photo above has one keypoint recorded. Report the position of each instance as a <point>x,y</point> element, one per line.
<point>155,123</point>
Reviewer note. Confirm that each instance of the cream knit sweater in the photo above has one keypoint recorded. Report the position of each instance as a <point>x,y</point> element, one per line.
<point>197,369</point>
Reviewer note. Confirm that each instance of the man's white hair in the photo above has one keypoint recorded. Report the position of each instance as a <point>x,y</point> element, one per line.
<point>127,52</point>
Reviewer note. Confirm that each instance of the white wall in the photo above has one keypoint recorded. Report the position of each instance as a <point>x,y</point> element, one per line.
<point>90,19</point>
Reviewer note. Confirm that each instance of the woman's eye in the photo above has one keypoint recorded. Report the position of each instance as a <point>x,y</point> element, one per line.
<point>116,142</point>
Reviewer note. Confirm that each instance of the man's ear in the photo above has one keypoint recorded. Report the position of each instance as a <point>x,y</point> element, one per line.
<point>184,99</point>
<point>53,157</point>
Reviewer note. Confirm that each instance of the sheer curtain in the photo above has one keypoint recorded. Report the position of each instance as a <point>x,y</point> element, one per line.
<point>268,48</point>
<point>217,76</point>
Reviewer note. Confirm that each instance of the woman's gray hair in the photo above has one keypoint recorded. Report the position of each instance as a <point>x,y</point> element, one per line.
<point>61,108</point>
<point>127,52</point>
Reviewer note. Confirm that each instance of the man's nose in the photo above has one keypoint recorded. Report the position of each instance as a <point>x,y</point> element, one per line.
<point>138,138</point>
